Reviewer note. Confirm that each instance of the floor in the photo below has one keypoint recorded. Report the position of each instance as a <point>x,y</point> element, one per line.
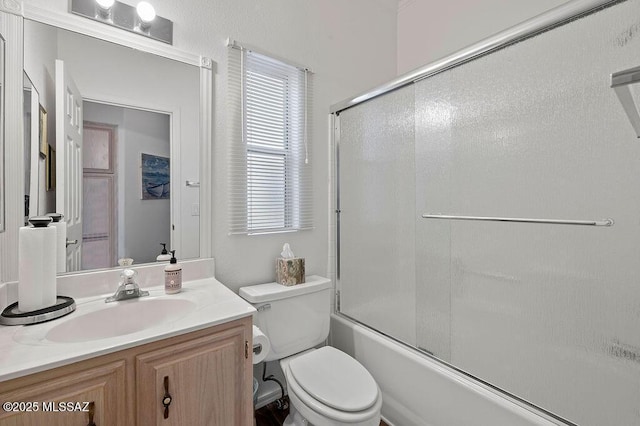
<point>271,415</point>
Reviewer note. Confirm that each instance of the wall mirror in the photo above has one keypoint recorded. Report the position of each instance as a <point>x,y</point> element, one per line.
<point>127,176</point>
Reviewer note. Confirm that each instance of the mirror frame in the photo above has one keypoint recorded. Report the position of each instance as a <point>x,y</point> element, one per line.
<point>70,22</point>
<point>11,30</point>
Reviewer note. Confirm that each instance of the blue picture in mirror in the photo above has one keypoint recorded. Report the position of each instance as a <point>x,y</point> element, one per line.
<point>155,177</point>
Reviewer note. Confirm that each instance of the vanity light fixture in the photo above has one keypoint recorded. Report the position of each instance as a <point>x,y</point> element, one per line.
<point>103,8</point>
<point>146,15</point>
<point>141,19</point>
<point>105,4</point>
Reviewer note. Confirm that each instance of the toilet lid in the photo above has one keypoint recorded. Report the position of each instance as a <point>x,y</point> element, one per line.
<point>335,379</point>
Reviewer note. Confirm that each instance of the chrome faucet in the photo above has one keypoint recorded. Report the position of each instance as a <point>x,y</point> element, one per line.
<point>128,288</point>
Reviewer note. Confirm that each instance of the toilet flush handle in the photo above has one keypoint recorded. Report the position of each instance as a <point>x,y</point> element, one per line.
<point>264,307</point>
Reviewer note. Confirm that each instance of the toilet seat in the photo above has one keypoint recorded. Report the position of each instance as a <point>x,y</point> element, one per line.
<point>337,411</point>
<point>335,379</point>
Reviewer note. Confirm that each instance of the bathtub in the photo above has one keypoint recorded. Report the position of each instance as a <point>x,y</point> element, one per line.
<point>417,390</point>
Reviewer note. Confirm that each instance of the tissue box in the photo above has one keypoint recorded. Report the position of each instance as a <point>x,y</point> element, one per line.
<point>290,271</point>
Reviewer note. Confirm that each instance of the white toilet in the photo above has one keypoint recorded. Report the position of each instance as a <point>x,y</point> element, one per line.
<point>326,386</point>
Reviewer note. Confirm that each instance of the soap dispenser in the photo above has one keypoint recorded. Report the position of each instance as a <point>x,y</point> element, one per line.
<point>173,275</point>
<point>164,256</point>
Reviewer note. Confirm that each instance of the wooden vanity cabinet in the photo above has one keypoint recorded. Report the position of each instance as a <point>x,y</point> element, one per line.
<point>203,381</point>
<point>208,378</point>
<point>46,399</point>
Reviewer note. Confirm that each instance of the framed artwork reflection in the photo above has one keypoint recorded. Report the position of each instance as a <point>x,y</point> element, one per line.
<point>155,183</point>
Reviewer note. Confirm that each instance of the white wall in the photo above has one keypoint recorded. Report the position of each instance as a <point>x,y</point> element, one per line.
<point>350,46</point>
<point>429,29</point>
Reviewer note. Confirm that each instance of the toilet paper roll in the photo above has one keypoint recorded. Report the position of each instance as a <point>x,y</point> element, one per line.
<point>36,268</point>
<point>259,338</point>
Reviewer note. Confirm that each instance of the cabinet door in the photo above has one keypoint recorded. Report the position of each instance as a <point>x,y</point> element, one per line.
<point>207,378</point>
<point>103,386</point>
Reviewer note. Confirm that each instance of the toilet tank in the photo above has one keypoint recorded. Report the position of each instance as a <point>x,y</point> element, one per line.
<point>294,318</point>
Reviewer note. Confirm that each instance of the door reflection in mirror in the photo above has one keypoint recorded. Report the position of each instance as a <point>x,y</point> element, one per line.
<point>118,221</point>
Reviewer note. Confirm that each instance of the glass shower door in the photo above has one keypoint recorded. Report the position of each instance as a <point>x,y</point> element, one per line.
<point>377,182</point>
<point>547,312</point>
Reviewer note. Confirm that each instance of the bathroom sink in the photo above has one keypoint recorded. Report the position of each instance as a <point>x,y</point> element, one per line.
<point>118,319</point>
<point>97,328</point>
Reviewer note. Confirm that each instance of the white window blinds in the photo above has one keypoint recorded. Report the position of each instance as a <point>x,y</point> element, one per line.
<point>270,164</point>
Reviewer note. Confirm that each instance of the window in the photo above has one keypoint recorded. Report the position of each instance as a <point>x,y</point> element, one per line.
<point>270,170</point>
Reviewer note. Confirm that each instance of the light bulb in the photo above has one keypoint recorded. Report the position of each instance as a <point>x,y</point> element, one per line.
<point>105,4</point>
<point>146,12</point>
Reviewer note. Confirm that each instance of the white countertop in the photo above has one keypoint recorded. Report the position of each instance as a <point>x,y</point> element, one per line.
<point>26,349</point>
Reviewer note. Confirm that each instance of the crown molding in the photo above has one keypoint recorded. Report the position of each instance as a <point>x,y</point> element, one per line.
<point>12,6</point>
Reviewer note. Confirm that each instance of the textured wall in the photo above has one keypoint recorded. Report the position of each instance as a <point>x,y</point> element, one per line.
<point>351,46</point>
<point>430,29</point>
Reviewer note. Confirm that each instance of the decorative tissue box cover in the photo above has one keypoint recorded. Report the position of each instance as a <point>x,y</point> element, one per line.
<point>290,271</point>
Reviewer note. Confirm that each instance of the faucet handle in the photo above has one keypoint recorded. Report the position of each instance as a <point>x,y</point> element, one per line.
<point>127,288</point>
<point>125,261</point>
<point>128,276</point>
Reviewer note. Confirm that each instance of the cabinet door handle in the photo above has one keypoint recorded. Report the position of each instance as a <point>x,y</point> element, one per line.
<point>92,412</point>
<point>166,399</point>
